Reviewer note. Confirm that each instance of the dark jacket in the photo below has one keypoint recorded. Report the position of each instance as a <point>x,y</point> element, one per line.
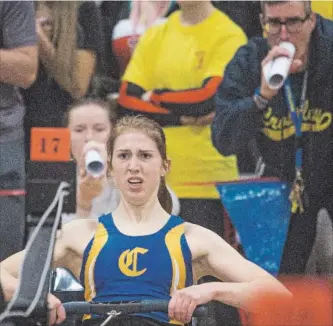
<point>238,120</point>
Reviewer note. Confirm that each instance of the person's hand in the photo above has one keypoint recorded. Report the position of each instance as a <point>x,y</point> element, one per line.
<point>44,28</point>
<point>57,313</point>
<point>146,96</point>
<point>183,302</point>
<point>197,121</point>
<point>93,145</point>
<point>8,284</point>
<point>90,186</point>
<point>188,121</point>
<point>205,119</point>
<point>276,51</point>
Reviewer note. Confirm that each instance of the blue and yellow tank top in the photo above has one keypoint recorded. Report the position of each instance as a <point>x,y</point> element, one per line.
<point>121,268</point>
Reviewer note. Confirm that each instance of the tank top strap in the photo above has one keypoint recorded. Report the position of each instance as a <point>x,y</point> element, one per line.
<point>107,221</point>
<point>172,222</point>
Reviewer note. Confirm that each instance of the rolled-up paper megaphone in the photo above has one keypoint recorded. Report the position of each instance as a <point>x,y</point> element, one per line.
<point>276,71</point>
<point>94,163</point>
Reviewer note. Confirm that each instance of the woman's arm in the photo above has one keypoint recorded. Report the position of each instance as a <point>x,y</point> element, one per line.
<point>8,283</point>
<point>66,247</point>
<point>130,102</point>
<point>243,281</point>
<point>84,70</point>
<point>10,267</point>
<point>9,273</point>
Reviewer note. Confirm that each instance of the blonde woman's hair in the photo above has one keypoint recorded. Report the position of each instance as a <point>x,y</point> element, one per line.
<point>65,17</point>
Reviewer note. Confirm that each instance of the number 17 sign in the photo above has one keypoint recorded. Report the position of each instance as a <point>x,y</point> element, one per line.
<point>50,144</point>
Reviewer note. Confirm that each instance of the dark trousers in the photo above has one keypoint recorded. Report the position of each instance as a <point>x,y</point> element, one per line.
<point>12,208</point>
<point>209,214</point>
<point>299,243</point>
<point>205,212</point>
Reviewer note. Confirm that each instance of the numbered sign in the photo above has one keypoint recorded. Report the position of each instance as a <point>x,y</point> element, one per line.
<point>50,144</point>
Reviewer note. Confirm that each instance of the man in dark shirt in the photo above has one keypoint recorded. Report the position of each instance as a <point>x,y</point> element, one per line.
<point>18,68</point>
<point>296,148</point>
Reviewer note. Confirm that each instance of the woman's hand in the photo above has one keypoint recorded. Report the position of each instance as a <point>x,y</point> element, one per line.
<point>44,28</point>
<point>183,302</point>
<point>198,121</point>
<point>146,96</point>
<point>90,186</point>
<point>188,121</point>
<point>57,313</point>
<point>44,31</point>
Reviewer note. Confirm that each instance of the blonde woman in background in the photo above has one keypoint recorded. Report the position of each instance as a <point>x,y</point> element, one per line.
<point>70,41</point>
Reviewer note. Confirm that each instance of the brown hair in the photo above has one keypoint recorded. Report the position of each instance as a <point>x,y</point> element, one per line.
<point>64,18</point>
<point>109,107</point>
<point>154,131</point>
<point>263,4</point>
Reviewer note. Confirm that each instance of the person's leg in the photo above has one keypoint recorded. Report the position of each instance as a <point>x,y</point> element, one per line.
<point>324,244</point>
<point>12,208</point>
<point>209,214</point>
<point>321,258</point>
<point>299,243</point>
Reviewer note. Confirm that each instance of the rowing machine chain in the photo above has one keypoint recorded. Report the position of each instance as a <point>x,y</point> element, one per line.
<point>112,314</point>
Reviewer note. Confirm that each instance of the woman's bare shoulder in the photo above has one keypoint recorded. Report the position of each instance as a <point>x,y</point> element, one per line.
<point>193,230</point>
<point>201,240</point>
<point>78,233</point>
<point>195,235</point>
<point>83,224</point>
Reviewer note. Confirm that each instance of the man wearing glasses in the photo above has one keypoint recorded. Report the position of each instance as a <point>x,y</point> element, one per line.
<point>292,126</point>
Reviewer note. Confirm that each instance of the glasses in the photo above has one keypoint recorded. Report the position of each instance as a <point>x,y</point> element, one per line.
<point>293,25</point>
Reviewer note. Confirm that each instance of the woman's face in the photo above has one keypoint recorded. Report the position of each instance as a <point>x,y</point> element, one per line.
<point>88,123</point>
<point>137,167</point>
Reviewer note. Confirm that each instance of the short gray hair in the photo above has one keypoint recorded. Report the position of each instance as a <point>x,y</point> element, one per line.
<point>263,3</point>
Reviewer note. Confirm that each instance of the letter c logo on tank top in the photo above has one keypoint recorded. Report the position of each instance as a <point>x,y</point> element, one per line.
<point>128,262</point>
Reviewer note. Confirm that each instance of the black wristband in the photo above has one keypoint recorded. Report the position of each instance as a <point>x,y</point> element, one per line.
<point>260,101</point>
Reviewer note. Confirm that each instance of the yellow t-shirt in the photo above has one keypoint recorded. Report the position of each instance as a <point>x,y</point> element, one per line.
<point>178,57</point>
<point>324,8</point>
